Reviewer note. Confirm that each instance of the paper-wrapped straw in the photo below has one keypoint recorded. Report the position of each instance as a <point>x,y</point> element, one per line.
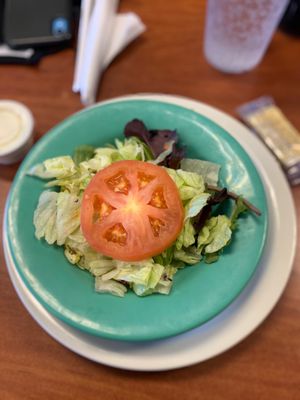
<point>85,15</point>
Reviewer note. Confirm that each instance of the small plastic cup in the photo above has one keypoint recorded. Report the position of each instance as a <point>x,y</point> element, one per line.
<point>16,131</point>
<point>238,32</point>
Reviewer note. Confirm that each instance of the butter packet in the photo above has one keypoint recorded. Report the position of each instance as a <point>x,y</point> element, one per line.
<point>276,131</point>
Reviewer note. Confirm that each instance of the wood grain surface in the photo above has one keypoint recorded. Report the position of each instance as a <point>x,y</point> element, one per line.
<point>167,58</point>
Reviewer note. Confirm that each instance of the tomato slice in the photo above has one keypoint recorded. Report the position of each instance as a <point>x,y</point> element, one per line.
<point>131,210</point>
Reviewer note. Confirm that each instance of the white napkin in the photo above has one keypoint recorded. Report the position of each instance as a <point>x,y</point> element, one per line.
<point>6,51</point>
<point>102,35</point>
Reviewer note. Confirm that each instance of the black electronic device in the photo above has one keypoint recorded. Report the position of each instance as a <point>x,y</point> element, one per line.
<point>36,23</point>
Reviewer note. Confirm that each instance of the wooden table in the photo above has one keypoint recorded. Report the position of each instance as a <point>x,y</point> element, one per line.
<point>168,58</point>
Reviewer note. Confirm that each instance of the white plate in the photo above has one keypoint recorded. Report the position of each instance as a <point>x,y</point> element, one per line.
<point>233,324</point>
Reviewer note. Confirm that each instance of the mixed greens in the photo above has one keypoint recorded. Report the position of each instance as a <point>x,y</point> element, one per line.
<point>206,230</point>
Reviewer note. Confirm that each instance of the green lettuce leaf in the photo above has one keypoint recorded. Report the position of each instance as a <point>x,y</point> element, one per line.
<point>79,252</point>
<point>57,215</point>
<point>192,179</point>
<point>165,283</point>
<point>189,184</point>
<point>141,273</point>
<point>239,208</point>
<point>179,182</point>
<point>186,237</point>
<point>110,152</point>
<point>132,149</point>
<point>219,234</point>
<point>162,286</point>
<point>57,167</point>
<point>211,257</point>
<point>143,277</point>
<point>68,215</point>
<point>44,218</point>
<point>83,153</point>
<point>208,170</point>
<point>204,234</point>
<point>92,166</point>
<point>188,256</point>
<point>153,280</point>
<point>110,286</point>
<point>195,205</point>
<point>166,257</point>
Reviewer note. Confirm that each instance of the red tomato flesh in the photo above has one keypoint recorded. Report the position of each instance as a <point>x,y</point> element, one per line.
<point>131,210</point>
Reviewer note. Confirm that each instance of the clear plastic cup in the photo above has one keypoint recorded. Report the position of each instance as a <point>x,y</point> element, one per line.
<point>238,32</point>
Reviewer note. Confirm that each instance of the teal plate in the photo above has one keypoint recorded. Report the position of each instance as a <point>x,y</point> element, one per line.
<point>199,293</point>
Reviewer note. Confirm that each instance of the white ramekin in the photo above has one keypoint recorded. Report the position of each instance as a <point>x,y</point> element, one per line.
<point>16,131</point>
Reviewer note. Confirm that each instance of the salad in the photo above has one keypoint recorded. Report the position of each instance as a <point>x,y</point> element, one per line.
<point>135,212</point>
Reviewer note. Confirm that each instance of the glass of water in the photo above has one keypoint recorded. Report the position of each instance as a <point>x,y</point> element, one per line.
<point>238,32</point>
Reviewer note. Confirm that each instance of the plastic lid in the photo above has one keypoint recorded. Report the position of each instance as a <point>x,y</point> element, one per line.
<point>16,126</point>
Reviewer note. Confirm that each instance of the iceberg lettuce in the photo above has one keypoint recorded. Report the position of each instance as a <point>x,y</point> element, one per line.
<point>195,205</point>
<point>208,170</point>
<point>186,237</point>
<point>44,217</point>
<point>110,286</point>
<point>132,149</point>
<point>189,184</point>
<point>57,167</point>
<point>67,216</point>
<point>215,235</point>
<point>57,216</point>
<point>83,153</point>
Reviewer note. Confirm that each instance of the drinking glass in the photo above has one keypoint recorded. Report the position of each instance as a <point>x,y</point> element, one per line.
<point>238,32</point>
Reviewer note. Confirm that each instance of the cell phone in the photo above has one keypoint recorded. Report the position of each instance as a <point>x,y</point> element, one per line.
<point>36,23</point>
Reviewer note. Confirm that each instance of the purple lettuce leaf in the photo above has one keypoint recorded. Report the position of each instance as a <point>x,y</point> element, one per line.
<point>157,140</point>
